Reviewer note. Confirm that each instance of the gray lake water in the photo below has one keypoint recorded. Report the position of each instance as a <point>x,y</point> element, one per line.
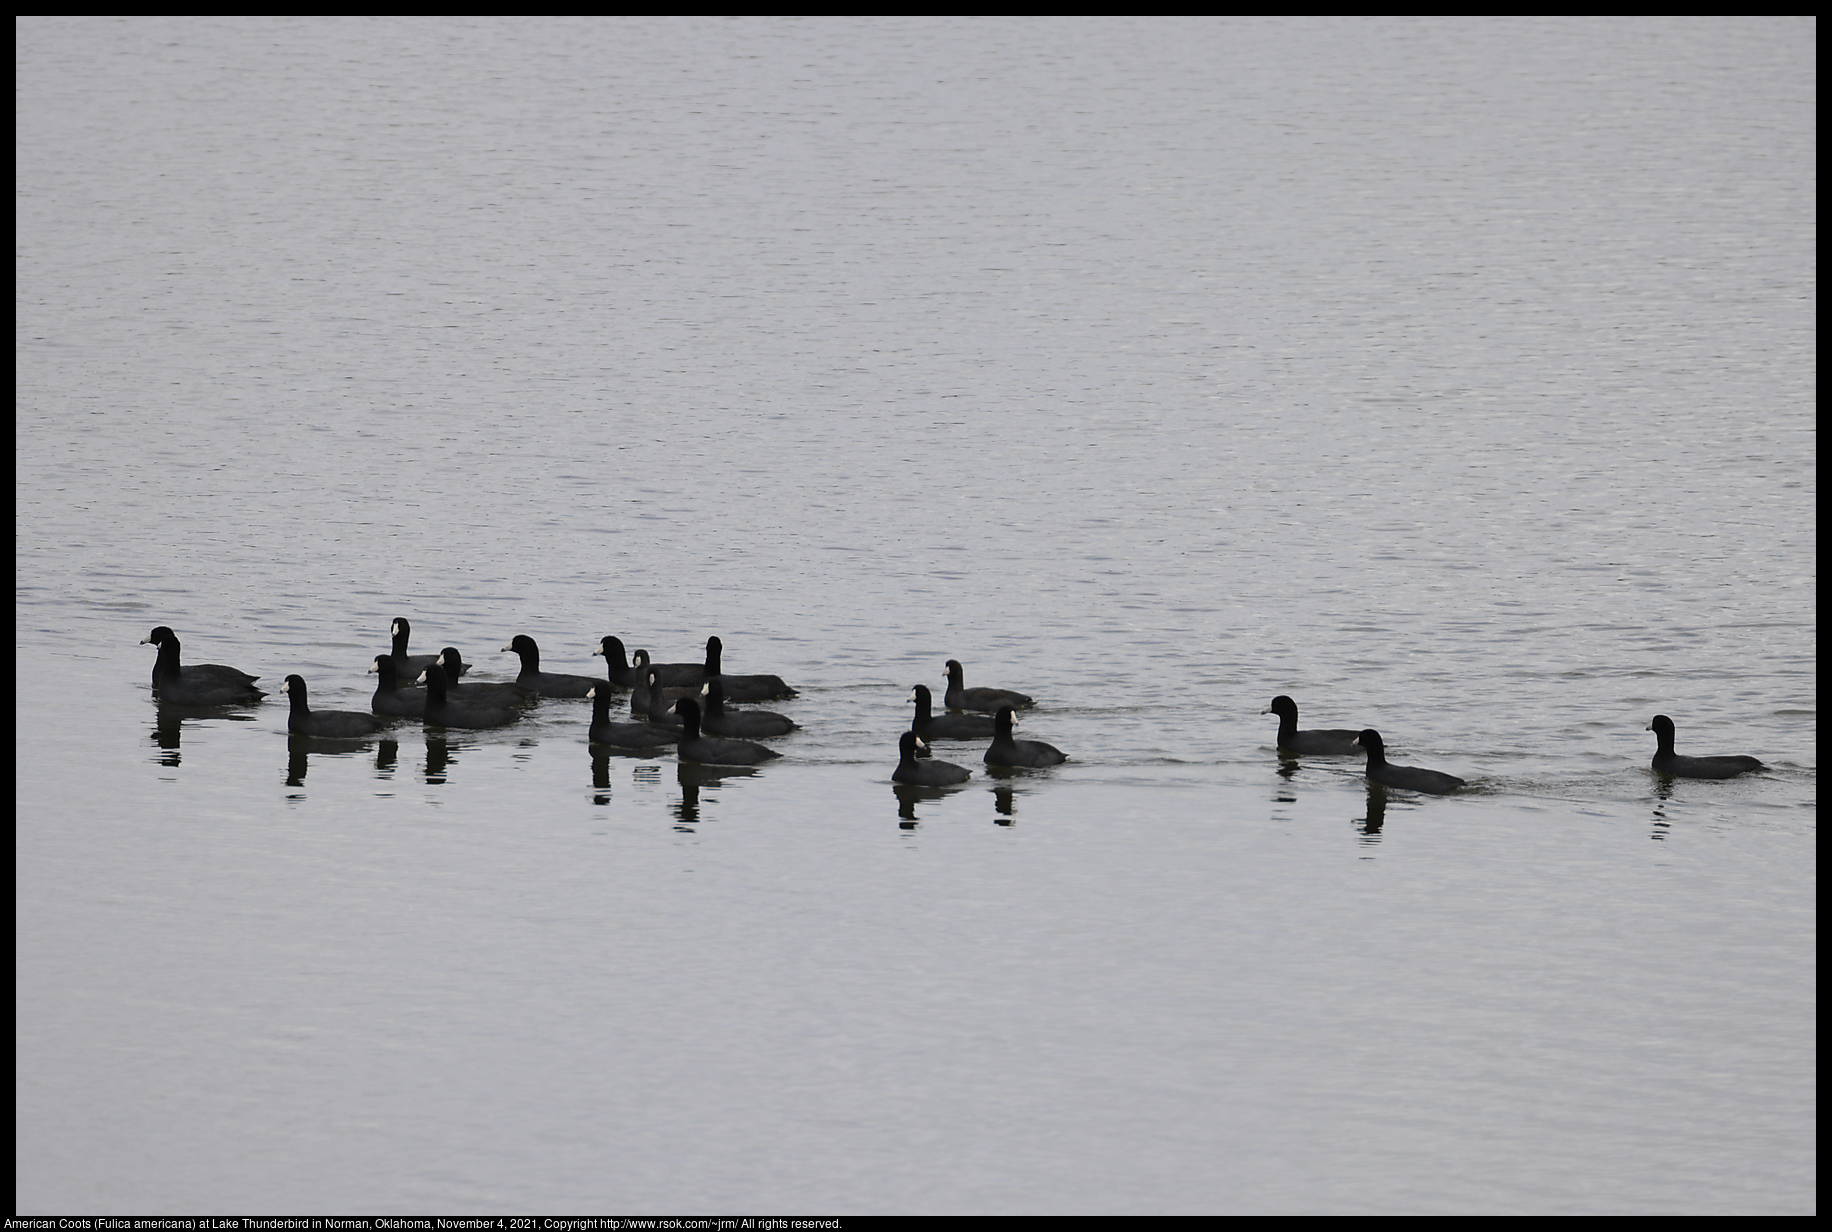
<point>1454,376</point>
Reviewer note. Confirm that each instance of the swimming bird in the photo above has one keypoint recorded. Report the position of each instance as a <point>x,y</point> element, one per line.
<point>616,662</point>
<point>390,698</point>
<point>716,720</point>
<point>946,726</point>
<point>547,684</point>
<point>511,694</point>
<point>654,701</point>
<point>674,675</point>
<point>1667,762</point>
<point>959,697</point>
<point>714,750</point>
<point>1321,742</point>
<point>928,772</point>
<point>754,688</point>
<point>622,735</point>
<point>1412,778</point>
<point>443,710</point>
<point>1005,751</point>
<point>201,684</point>
<point>406,666</point>
<point>334,724</point>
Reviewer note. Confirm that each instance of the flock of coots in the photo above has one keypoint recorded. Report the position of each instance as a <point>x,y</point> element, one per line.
<point>685,705</point>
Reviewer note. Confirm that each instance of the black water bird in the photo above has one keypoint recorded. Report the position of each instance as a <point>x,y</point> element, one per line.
<point>547,684</point>
<point>924,772</point>
<point>959,697</point>
<point>511,694</point>
<point>302,720</point>
<point>714,750</point>
<point>1411,778</point>
<point>753,688</point>
<point>716,720</point>
<point>443,710</point>
<point>946,726</point>
<point>390,698</point>
<point>1027,754</point>
<point>1321,742</point>
<point>622,735</point>
<point>1667,762</point>
<point>406,666</point>
<point>201,684</point>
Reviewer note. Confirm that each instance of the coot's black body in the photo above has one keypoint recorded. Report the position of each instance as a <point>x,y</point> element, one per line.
<point>754,688</point>
<point>622,735</point>
<point>924,772</point>
<point>716,720</point>
<point>714,750</point>
<point>390,699</point>
<point>201,684</point>
<point>330,724</point>
<point>1410,778</point>
<point>512,694</point>
<point>946,726</point>
<point>443,710</point>
<point>547,684</point>
<point>1667,762</point>
<point>1321,742</point>
<point>406,666</point>
<point>959,697</point>
<point>1020,754</point>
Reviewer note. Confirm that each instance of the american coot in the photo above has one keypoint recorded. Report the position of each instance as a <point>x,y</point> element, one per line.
<point>617,664</point>
<point>946,726</point>
<point>390,698</point>
<point>757,688</point>
<point>674,675</point>
<point>479,691</point>
<point>547,684</point>
<point>652,700</point>
<point>622,735</point>
<point>716,720</point>
<point>201,684</point>
<point>714,750</point>
<point>335,724</point>
<point>406,666</point>
<point>1666,761</point>
<point>1411,778</point>
<point>1006,751</point>
<point>443,710</point>
<point>928,772</point>
<point>1323,742</point>
<point>958,697</point>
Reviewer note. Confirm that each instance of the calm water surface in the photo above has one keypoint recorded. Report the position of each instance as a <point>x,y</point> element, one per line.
<point>1454,377</point>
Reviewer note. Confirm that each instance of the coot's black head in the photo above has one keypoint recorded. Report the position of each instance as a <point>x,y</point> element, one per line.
<point>1661,726</point>
<point>160,637</point>
<point>1370,740</point>
<point>1281,706</point>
